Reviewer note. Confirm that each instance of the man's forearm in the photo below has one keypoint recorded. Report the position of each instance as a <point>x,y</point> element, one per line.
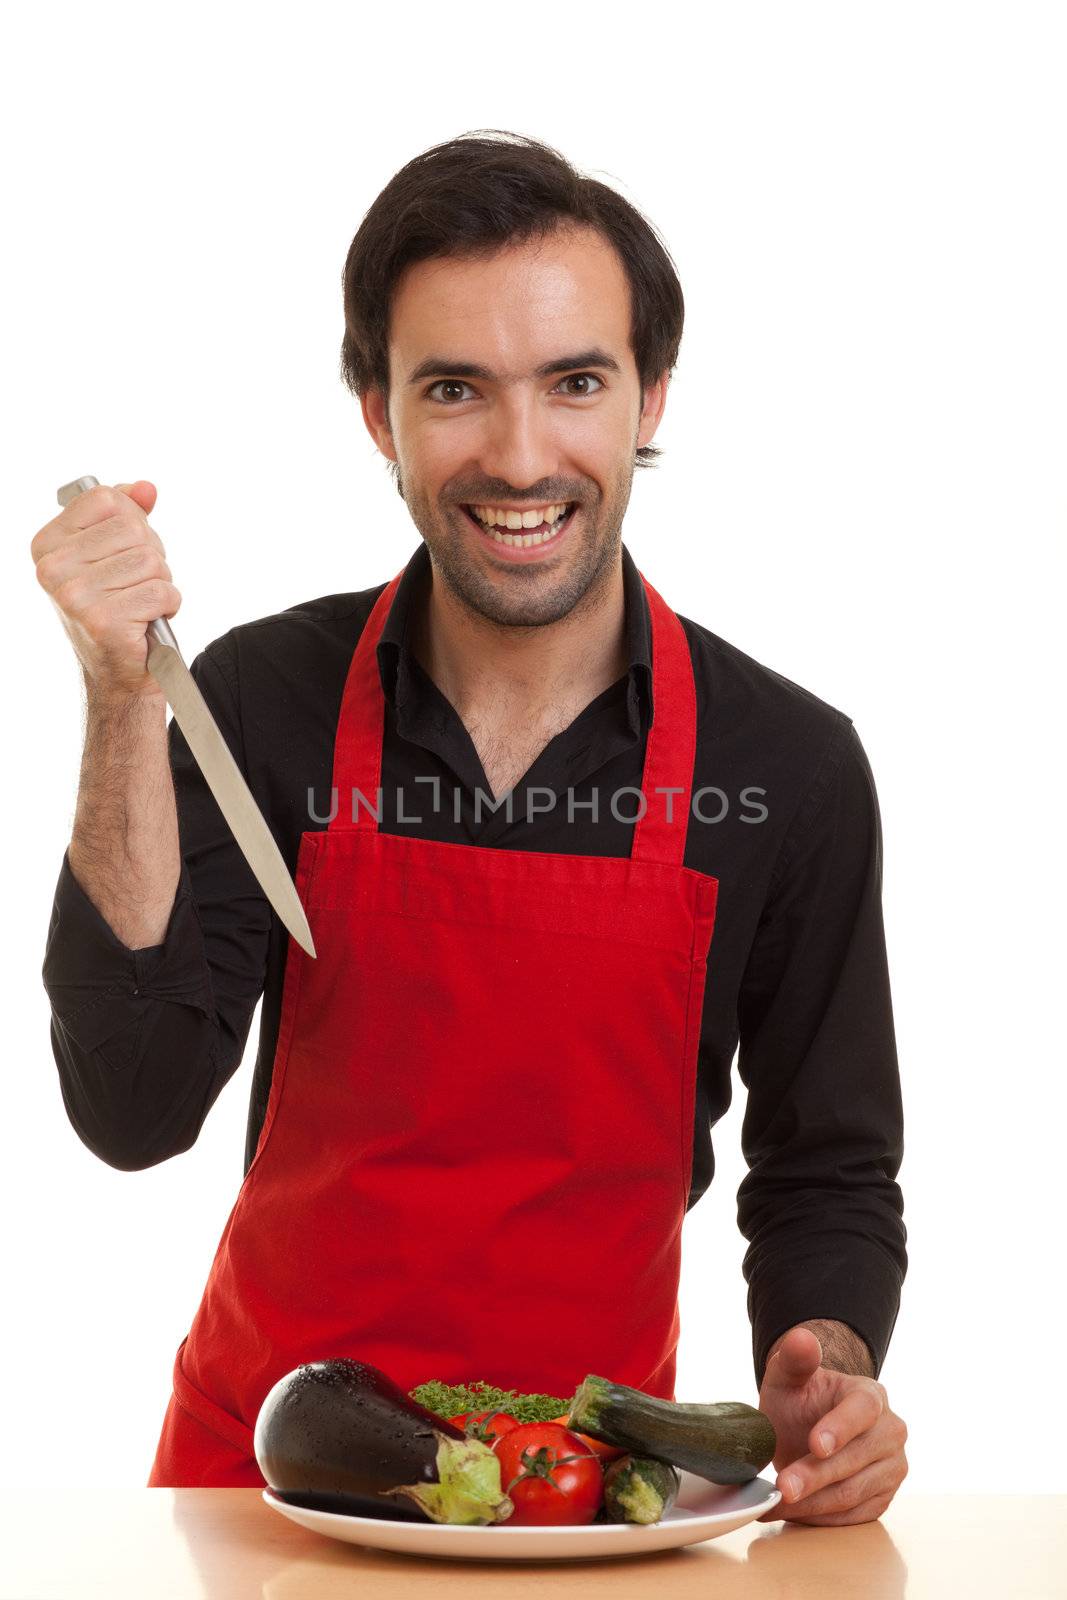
<point>124,848</point>
<point>842,1349</point>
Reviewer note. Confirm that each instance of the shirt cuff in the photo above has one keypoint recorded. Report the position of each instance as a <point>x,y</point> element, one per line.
<point>97,986</point>
<point>840,1276</point>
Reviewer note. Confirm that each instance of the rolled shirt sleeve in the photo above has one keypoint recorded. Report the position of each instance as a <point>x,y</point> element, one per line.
<point>145,1040</point>
<point>823,1127</point>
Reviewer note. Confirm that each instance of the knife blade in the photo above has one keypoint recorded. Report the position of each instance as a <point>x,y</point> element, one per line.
<point>221,772</point>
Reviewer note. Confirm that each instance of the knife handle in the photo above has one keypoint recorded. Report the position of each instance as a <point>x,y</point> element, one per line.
<point>160,630</point>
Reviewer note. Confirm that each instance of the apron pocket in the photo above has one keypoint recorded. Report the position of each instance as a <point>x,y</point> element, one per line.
<point>222,1423</point>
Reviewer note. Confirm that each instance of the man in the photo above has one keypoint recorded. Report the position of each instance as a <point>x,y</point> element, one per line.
<point>524,803</point>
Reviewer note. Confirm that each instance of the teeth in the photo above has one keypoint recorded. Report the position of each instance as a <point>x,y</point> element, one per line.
<point>491,517</point>
<point>552,518</point>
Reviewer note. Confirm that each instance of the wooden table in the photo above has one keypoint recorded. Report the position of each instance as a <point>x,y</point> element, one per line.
<point>225,1544</point>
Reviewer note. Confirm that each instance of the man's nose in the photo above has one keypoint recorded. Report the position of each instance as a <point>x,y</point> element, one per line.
<point>521,445</point>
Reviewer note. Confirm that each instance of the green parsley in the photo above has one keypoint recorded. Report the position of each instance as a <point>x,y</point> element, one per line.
<point>453,1399</point>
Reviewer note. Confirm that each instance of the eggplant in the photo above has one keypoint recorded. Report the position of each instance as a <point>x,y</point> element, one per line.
<point>352,1505</point>
<point>344,1428</point>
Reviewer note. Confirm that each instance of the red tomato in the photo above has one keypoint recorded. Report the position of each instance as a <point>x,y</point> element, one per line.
<point>549,1474</point>
<point>485,1425</point>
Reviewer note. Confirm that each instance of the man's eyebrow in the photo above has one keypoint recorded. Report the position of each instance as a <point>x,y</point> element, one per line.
<point>441,367</point>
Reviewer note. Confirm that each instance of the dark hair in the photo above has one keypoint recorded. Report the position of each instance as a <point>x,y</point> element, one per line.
<point>475,194</point>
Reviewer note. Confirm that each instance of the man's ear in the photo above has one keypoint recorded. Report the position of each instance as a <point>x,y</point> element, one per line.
<point>654,404</point>
<point>375,407</point>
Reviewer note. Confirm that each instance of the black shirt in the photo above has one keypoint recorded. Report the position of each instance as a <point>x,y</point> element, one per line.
<point>784,814</point>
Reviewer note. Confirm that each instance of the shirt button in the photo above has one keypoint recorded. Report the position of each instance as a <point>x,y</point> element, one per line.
<point>137,991</point>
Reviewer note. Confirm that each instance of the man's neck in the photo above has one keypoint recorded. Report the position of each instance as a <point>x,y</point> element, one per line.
<point>485,668</point>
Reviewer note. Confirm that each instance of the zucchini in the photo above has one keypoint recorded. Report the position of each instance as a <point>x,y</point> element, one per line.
<point>639,1489</point>
<point>343,1428</point>
<point>725,1443</point>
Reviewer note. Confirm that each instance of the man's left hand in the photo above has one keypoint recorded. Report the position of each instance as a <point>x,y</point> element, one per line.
<point>838,1440</point>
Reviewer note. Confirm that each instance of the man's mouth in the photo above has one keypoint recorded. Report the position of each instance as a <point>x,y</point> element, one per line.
<point>545,532</point>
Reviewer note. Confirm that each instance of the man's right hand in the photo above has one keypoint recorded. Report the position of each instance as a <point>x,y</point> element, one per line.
<point>104,570</point>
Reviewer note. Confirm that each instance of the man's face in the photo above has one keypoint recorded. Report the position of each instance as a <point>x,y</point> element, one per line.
<point>512,438</point>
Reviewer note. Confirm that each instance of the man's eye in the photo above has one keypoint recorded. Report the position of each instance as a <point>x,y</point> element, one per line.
<point>575,377</point>
<point>458,383</point>
<point>452,383</point>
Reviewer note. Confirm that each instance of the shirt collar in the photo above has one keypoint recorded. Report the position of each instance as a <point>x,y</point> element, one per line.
<point>394,651</point>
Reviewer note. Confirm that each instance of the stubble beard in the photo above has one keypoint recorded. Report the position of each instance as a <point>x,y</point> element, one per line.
<point>524,596</point>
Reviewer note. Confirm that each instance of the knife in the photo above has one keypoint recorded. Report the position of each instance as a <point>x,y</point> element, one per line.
<point>223,775</point>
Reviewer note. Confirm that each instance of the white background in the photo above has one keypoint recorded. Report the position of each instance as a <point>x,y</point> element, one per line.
<point>863,488</point>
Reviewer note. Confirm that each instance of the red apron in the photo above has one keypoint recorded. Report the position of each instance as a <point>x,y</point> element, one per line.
<point>477,1150</point>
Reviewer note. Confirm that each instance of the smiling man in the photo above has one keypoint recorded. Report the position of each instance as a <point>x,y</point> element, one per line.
<point>523,625</point>
<point>562,852</point>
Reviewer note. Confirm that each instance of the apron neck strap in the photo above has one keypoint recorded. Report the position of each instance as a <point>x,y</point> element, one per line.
<point>659,834</point>
<point>672,737</point>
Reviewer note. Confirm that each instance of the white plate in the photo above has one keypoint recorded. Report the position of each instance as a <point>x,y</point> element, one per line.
<point>702,1511</point>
